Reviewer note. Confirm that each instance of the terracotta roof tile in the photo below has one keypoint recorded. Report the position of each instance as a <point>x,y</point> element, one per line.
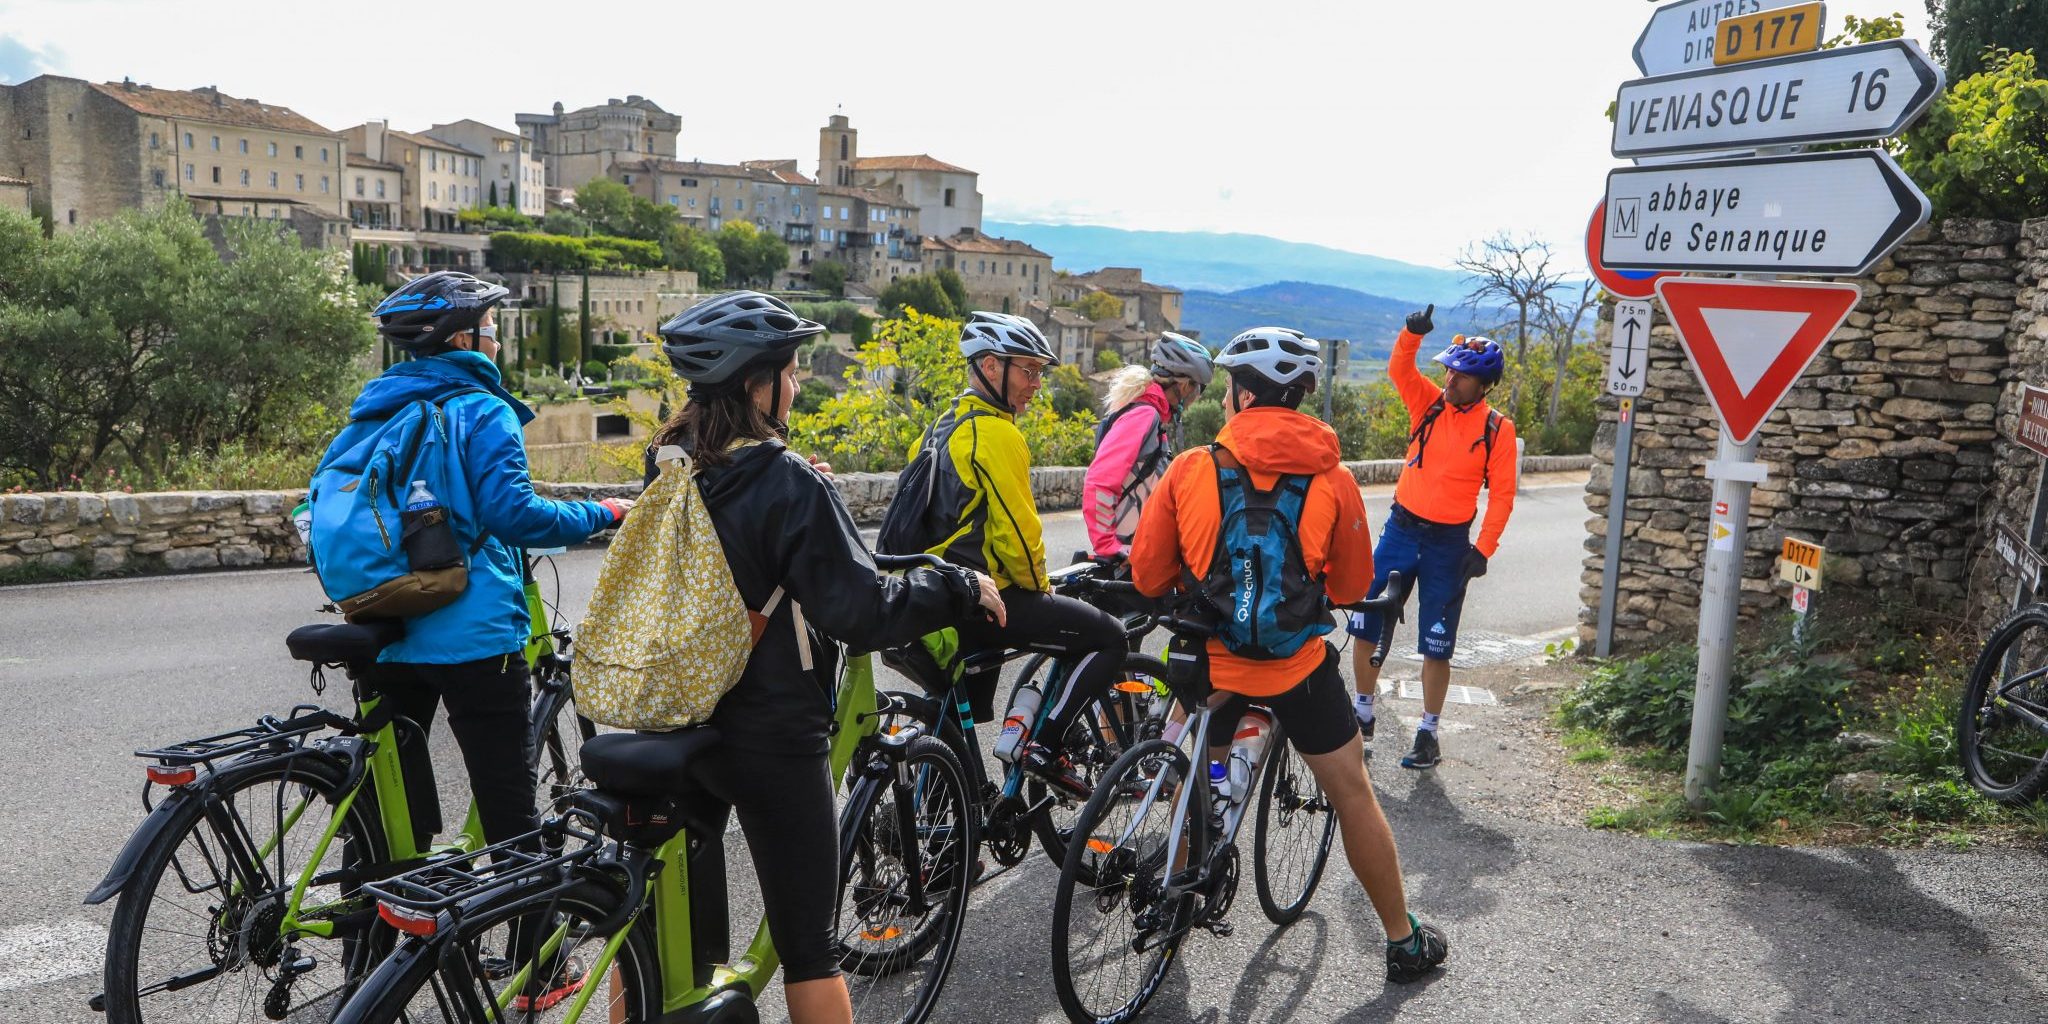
<point>913,162</point>
<point>428,141</point>
<point>870,196</point>
<point>200,105</point>
<point>356,160</point>
<point>977,242</point>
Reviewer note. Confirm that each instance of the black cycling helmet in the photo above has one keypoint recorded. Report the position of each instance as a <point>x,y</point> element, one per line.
<point>712,341</point>
<point>428,310</point>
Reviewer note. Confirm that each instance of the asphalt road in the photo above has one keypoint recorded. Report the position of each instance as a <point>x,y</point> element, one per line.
<point>1546,923</point>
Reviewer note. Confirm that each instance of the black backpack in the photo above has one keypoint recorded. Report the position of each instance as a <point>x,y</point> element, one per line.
<point>907,527</point>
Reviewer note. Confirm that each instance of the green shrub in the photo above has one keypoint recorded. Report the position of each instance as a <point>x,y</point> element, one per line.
<point>1982,148</point>
<point>1779,696</point>
<point>594,369</point>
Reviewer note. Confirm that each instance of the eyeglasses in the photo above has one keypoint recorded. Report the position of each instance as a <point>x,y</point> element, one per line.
<point>1032,374</point>
<point>488,331</point>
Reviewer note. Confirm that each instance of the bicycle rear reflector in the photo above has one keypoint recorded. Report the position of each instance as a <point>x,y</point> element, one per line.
<point>411,922</point>
<point>1133,686</point>
<point>168,775</point>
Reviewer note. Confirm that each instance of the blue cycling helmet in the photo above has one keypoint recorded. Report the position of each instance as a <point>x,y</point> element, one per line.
<point>426,311</point>
<point>1475,357</point>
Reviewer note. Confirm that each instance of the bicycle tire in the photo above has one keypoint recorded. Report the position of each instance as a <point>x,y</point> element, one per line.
<point>1092,753</point>
<point>896,974</point>
<point>233,934</point>
<point>559,734</point>
<point>1117,875</point>
<point>2007,775</point>
<point>425,981</point>
<point>1293,815</point>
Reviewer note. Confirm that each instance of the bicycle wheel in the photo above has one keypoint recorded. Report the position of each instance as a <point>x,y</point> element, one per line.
<point>1292,843</point>
<point>559,737</point>
<point>898,944</point>
<point>2002,729</point>
<point>472,975</point>
<point>1100,734</point>
<point>197,935</point>
<point>1115,931</point>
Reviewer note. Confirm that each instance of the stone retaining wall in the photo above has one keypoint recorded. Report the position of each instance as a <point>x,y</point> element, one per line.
<point>2014,468</point>
<point>103,534</point>
<point>1883,452</point>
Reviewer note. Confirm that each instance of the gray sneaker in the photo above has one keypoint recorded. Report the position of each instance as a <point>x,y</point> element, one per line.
<point>1425,754</point>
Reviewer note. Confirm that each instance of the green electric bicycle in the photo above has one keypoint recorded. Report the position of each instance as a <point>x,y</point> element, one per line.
<point>624,893</point>
<point>238,897</point>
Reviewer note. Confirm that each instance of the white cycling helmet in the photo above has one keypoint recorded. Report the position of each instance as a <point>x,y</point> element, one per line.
<point>1176,356</point>
<point>1279,354</point>
<point>1006,335</point>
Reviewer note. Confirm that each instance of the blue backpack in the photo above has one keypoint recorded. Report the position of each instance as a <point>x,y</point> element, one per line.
<point>377,558</point>
<point>1258,582</point>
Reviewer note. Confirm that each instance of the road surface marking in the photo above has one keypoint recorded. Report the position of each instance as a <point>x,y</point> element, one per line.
<point>33,954</point>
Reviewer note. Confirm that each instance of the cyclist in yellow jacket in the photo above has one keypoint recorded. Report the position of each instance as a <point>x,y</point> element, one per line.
<point>983,487</point>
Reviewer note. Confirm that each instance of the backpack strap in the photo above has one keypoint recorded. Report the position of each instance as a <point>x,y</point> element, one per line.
<point>1486,437</point>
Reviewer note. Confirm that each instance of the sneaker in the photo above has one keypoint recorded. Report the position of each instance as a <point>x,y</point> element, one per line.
<point>1365,729</point>
<point>570,979</point>
<point>1057,771</point>
<point>1425,754</point>
<point>1413,957</point>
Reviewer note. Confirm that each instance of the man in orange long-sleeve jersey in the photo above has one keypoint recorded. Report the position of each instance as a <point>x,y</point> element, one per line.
<point>1456,445</point>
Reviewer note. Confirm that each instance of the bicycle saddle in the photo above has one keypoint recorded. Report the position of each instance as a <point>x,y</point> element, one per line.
<point>645,763</point>
<point>344,643</point>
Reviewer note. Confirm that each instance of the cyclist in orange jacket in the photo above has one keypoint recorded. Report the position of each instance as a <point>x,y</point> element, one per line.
<point>1456,446</point>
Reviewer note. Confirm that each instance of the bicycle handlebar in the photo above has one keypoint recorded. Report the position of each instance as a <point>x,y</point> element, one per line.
<point>891,563</point>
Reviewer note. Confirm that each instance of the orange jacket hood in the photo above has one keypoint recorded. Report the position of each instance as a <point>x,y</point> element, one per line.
<point>1270,440</point>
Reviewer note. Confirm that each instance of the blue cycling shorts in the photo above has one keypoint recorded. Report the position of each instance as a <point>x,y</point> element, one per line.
<point>1433,555</point>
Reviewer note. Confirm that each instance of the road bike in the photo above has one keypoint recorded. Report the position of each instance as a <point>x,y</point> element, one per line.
<point>1015,806</point>
<point>1158,851</point>
<point>239,893</point>
<point>626,890</point>
<point>2002,727</point>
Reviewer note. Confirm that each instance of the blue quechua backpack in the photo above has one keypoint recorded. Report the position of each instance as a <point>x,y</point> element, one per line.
<point>1258,581</point>
<point>376,558</point>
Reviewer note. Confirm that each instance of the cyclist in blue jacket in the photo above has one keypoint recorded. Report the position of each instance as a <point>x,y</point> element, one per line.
<point>468,653</point>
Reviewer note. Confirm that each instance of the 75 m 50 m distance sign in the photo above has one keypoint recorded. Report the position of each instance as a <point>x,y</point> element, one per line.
<point>1810,213</point>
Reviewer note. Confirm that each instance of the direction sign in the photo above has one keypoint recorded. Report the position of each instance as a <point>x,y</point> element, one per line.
<point>1858,92</point>
<point>1682,36</point>
<point>1766,34</point>
<point>1799,563</point>
<point>1812,213</point>
<point>1627,284</point>
<point>2032,429</point>
<point>1802,599</point>
<point>2019,554</point>
<point>1749,340</point>
<point>1629,357</point>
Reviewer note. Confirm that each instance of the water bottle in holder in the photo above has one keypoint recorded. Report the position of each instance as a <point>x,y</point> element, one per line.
<point>1017,724</point>
<point>1248,748</point>
<point>425,532</point>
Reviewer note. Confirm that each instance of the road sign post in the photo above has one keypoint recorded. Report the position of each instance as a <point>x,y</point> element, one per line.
<point>1628,364</point>
<point>1799,563</point>
<point>1733,470</point>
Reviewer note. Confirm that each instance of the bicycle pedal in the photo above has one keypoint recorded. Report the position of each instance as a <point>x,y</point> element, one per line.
<point>1221,929</point>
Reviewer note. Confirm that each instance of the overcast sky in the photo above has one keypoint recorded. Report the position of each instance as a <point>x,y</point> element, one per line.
<point>1404,130</point>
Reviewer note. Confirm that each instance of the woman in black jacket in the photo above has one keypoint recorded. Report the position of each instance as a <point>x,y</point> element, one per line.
<point>782,524</point>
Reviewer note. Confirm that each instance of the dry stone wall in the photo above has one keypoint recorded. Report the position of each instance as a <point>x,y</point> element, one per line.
<point>66,533</point>
<point>2015,469</point>
<point>1885,452</point>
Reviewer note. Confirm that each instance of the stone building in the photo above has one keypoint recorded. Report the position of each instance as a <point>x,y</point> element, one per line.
<point>91,150</point>
<point>638,302</point>
<point>873,232</point>
<point>1001,274</point>
<point>1147,306</point>
<point>511,174</point>
<point>436,181</point>
<point>798,214</point>
<point>371,189</point>
<point>580,145</point>
<point>1072,335</point>
<point>14,195</point>
<point>947,197</point>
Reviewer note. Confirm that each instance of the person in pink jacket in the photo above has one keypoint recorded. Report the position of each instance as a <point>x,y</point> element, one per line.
<point>1134,442</point>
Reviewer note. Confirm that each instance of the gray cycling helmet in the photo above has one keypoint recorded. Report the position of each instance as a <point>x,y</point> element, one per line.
<point>1281,355</point>
<point>712,341</point>
<point>1174,355</point>
<point>1004,334</point>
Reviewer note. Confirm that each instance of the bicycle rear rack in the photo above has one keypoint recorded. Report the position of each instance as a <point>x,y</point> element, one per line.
<point>270,734</point>
<point>443,884</point>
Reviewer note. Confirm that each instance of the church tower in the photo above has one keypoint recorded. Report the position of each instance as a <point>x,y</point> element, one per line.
<point>838,147</point>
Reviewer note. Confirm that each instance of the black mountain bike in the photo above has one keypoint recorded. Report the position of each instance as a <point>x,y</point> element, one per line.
<point>2002,728</point>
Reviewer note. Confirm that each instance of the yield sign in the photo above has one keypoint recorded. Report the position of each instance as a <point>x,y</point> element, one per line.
<point>1749,340</point>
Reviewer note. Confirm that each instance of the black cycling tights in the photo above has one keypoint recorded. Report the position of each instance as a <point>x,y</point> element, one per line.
<point>1089,639</point>
<point>785,807</point>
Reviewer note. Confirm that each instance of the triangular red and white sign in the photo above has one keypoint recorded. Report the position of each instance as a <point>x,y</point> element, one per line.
<point>1748,341</point>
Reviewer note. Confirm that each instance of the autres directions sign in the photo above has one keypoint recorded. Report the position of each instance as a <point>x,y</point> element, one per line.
<point>1857,92</point>
<point>1811,213</point>
<point>1684,35</point>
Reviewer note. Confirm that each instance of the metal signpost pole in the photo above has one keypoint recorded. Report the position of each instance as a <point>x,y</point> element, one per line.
<point>1617,518</point>
<point>1734,470</point>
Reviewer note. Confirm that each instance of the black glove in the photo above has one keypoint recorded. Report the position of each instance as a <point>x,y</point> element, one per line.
<point>1420,323</point>
<point>1475,564</point>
